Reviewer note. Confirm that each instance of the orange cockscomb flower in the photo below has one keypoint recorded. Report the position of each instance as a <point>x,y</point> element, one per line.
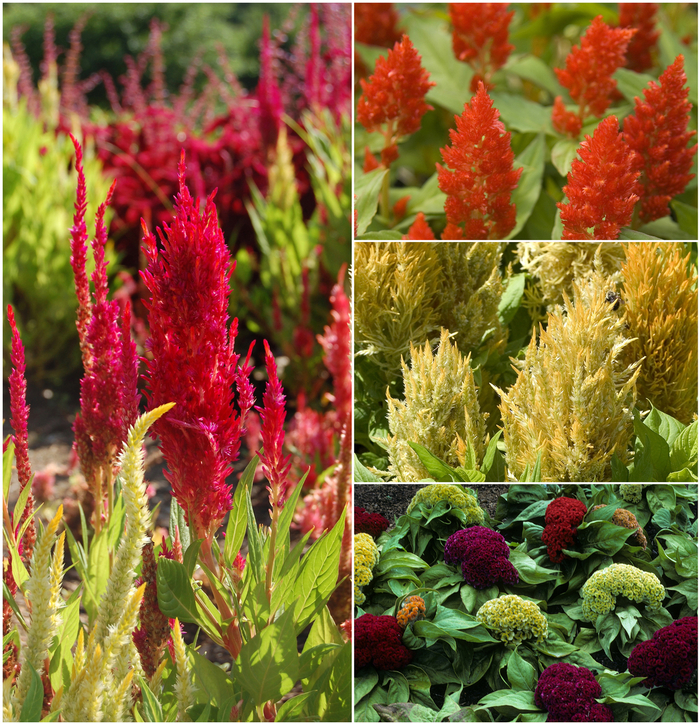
<point>480,37</point>
<point>641,16</point>
<point>393,99</point>
<point>601,186</point>
<point>658,134</point>
<point>479,176</point>
<point>588,73</point>
<point>419,230</point>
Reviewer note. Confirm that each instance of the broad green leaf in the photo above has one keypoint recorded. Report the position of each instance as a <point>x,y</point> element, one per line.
<point>368,186</point>
<point>190,557</point>
<point>238,518</point>
<point>362,474</point>
<point>152,709</point>
<point>522,700</point>
<point>666,425</point>
<point>179,522</point>
<point>285,521</point>
<point>563,154</point>
<point>380,236</point>
<point>268,664</point>
<point>520,114</point>
<point>294,709</point>
<point>428,199</point>
<point>690,590</point>
<point>534,69</point>
<point>521,674</point>
<point>684,450</point>
<point>97,573</point>
<point>31,708</point>
<point>632,84</point>
<point>366,682</point>
<point>255,545</point>
<point>632,235</point>
<point>525,196</point>
<point>211,680</point>
<point>687,217</point>
<point>439,471</point>
<point>175,594</point>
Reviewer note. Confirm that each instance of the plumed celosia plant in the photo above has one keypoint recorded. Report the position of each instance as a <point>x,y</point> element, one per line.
<point>366,555</point>
<point>670,657</point>
<point>378,641</point>
<point>412,609</point>
<point>440,411</point>
<point>483,555</point>
<point>641,17</point>
<point>478,176</point>
<point>573,399</point>
<point>661,308</point>
<point>458,497</point>
<point>561,519</point>
<point>371,523</point>
<point>599,592</point>
<point>513,619</point>
<point>569,693</point>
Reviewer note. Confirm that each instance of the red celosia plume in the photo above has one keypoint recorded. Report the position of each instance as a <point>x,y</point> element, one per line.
<point>480,37</point>
<point>479,174</point>
<point>601,188</point>
<point>393,99</point>
<point>192,360</point>
<point>419,229</point>
<point>588,73</point>
<point>658,134</point>
<point>641,16</point>
<point>376,24</point>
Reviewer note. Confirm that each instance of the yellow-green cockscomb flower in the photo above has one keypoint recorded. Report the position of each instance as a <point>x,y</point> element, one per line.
<point>513,619</point>
<point>366,556</point>
<point>456,495</point>
<point>631,492</point>
<point>600,590</point>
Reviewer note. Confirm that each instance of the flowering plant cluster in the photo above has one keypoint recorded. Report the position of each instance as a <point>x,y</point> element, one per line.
<point>527,643</point>
<point>483,556</point>
<point>670,657</point>
<point>566,125</point>
<point>569,693</point>
<point>371,523</point>
<point>366,555</point>
<point>562,517</point>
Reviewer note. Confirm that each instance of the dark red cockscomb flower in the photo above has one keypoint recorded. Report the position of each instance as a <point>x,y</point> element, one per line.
<point>478,176</point>
<point>372,523</point>
<point>562,518</point>
<point>480,38</point>
<point>569,693</point>
<point>601,186</point>
<point>670,658</point>
<point>658,134</point>
<point>378,641</point>
<point>483,556</point>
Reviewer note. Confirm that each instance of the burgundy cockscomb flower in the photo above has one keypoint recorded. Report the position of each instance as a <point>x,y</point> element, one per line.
<point>192,359</point>
<point>641,16</point>
<point>393,99</point>
<point>275,465</point>
<point>109,397</point>
<point>588,73</point>
<point>601,188</point>
<point>483,556</point>
<point>569,693</point>
<point>479,174</point>
<point>371,523</point>
<point>378,641</point>
<point>561,519</point>
<point>480,38</point>
<point>419,229</point>
<point>658,134</point>
<point>20,416</point>
<point>670,658</point>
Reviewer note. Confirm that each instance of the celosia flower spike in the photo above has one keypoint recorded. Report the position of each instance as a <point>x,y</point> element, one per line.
<point>193,362</point>
<point>601,186</point>
<point>480,37</point>
<point>658,134</point>
<point>275,465</point>
<point>641,16</point>
<point>395,96</point>
<point>479,176</point>
<point>419,230</point>
<point>268,92</point>
<point>588,72</point>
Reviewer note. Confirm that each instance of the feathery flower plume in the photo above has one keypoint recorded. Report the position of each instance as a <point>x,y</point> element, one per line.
<point>419,230</point>
<point>588,73</point>
<point>601,186</point>
<point>268,92</point>
<point>479,176</point>
<point>193,362</point>
<point>109,395</point>
<point>376,24</point>
<point>393,99</point>
<point>480,38</point>
<point>20,416</point>
<point>641,16</point>
<point>658,134</point>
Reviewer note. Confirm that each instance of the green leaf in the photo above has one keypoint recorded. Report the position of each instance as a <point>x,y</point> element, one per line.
<point>655,447</point>
<point>175,594</point>
<point>97,573</point>
<point>238,517</point>
<point>687,217</point>
<point>178,522</point>
<point>563,154</point>
<point>366,682</point>
<point>529,571</point>
<point>521,674</point>
<point>361,474</point>
<point>285,520</point>
<point>212,681</point>
<point>632,235</point>
<point>385,235</point>
<point>534,69</point>
<point>690,590</point>
<point>31,708</point>
<point>428,199</point>
<point>269,663</point>
<point>525,196</point>
<point>522,700</point>
<point>368,186</point>
<point>255,545</point>
<point>319,574</point>
<point>684,450</point>
<point>439,471</point>
<point>7,459</point>
<point>520,114</point>
<point>632,84</point>
<point>152,709</point>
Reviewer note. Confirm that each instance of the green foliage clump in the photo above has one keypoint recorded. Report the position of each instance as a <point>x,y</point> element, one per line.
<point>458,497</point>
<point>619,579</point>
<point>514,619</point>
